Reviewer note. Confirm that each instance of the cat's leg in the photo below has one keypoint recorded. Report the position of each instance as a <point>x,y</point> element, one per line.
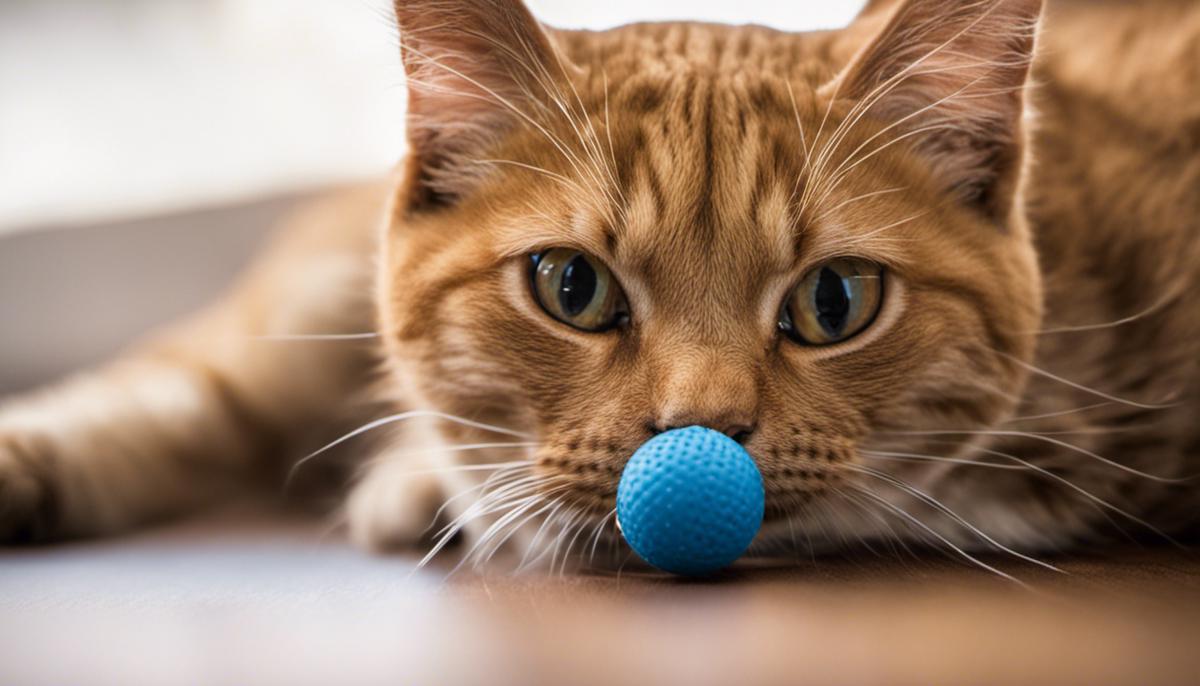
<point>183,417</point>
<point>144,437</point>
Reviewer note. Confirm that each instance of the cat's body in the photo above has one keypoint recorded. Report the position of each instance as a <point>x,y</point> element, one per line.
<point>701,136</point>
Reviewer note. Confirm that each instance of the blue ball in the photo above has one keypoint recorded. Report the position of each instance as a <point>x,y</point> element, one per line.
<point>690,501</point>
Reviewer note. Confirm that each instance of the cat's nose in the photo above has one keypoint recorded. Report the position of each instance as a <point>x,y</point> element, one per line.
<point>737,431</point>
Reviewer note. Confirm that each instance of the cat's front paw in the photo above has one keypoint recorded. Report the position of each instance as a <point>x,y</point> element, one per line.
<point>28,501</point>
<point>391,511</point>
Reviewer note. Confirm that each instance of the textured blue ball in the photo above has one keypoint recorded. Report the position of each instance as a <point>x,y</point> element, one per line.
<point>690,501</point>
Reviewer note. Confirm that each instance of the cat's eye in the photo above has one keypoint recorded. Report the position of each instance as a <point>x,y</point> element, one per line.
<point>577,289</point>
<point>833,302</point>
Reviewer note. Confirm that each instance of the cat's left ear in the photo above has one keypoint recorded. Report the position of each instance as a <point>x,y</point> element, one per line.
<point>475,70</point>
<point>950,75</point>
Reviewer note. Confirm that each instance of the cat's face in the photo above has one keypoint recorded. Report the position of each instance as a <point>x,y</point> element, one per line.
<point>673,225</point>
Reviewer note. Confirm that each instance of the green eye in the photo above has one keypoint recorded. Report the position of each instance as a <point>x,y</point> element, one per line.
<point>577,289</point>
<point>833,302</point>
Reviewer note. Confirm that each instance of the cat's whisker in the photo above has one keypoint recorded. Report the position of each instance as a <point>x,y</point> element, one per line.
<point>283,338</point>
<point>563,530</point>
<point>1051,439</point>
<point>490,535</point>
<point>600,525</point>
<point>498,479</point>
<point>917,457</point>
<point>445,449</point>
<point>497,498</point>
<point>1026,465</point>
<point>1080,387</point>
<point>1060,413</point>
<point>501,495</point>
<point>906,516</point>
<point>1158,305</point>
<point>894,538</point>
<point>541,550</point>
<point>941,507</point>
<point>535,542</point>
<point>481,508</point>
<point>393,419</point>
<point>586,519</point>
<point>492,540</point>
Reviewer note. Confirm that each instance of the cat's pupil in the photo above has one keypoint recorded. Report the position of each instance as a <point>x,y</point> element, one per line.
<point>832,301</point>
<point>578,286</point>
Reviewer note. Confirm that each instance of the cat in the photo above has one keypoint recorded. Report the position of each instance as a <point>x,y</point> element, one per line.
<point>931,271</point>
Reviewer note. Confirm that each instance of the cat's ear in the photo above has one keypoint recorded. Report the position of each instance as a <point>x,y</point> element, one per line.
<point>950,75</point>
<point>472,68</point>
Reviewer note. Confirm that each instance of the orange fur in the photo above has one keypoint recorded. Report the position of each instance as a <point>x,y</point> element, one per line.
<point>710,167</point>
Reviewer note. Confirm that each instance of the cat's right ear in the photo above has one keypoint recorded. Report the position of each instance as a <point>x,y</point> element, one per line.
<point>473,68</point>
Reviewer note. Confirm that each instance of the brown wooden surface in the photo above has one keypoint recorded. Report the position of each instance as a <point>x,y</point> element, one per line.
<point>250,598</point>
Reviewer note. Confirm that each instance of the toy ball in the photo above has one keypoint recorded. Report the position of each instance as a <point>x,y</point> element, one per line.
<point>690,501</point>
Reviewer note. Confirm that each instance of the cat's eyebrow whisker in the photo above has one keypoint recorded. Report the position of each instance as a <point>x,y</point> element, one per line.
<point>536,169</point>
<point>905,515</point>
<point>858,198</point>
<point>1050,439</point>
<point>574,160</point>
<point>941,507</point>
<point>838,172</point>
<point>864,105</point>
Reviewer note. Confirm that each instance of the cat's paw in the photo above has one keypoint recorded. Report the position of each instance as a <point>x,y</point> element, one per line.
<point>390,511</point>
<point>28,501</point>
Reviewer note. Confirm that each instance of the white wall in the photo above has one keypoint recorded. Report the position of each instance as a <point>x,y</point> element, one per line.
<point>123,107</point>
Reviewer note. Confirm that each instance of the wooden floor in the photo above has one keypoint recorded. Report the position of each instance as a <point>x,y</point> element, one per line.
<point>247,598</point>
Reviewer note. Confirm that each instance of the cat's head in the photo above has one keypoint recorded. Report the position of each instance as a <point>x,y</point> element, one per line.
<point>812,242</point>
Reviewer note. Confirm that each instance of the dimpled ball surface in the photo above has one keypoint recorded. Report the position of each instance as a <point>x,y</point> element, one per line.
<point>690,501</point>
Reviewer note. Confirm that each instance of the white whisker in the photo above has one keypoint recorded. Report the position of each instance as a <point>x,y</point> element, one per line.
<point>1055,441</point>
<point>1081,387</point>
<point>900,512</point>
<point>366,335</point>
<point>941,507</point>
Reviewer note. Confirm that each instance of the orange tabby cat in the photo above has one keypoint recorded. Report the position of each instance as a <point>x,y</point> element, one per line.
<point>936,299</point>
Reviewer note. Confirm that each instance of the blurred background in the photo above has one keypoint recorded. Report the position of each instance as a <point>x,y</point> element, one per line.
<point>116,108</point>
